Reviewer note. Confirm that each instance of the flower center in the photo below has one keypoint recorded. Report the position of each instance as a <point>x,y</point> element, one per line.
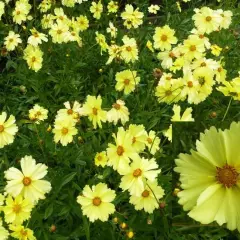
<point>168,93</point>
<point>137,172</point>
<point>116,106</point>
<point>96,201</point>
<point>16,208</point>
<point>190,84</point>
<point>94,111</point>
<point>69,111</point>
<point>126,81</point>
<point>208,18</point>
<point>120,150</point>
<point>99,158</point>
<point>145,193</point>
<point>203,64</point>
<point>193,48</point>
<point>164,38</point>
<point>26,181</point>
<point>1,128</point>
<point>129,49</point>
<point>64,131</point>
<point>38,113</point>
<point>33,59</point>
<point>23,232</point>
<point>134,140</point>
<point>227,175</point>
<point>149,140</point>
<point>10,40</point>
<point>201,80</point>
<point>59,31</point>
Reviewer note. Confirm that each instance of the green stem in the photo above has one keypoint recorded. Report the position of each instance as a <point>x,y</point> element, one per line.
<point>228,107</point>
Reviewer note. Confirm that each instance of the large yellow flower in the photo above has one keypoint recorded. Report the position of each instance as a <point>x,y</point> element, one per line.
<point>17,210</point>
<point>210,178</point>
<point>7,129</point>
<point>22,233</point>
<point>93,109</point>
<point>138,173</point>
<point>29,182</point>
<point>149,198</point>
<point>96,202</point>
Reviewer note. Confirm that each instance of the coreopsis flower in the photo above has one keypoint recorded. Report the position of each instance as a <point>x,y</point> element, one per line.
<point>169,91</point>
<point>101,40</point>
<point>132,18</point>
<point>193,47</point>
<point>36,38</point>
<point>147,201</point>
<point>93,109</point>
<point>118,112</point>
<point>47,21</point>
<point>226,18</point>
<point>153,142</point>
<point>60,16</point>
<point>28,182</point>
<point>120,153</point>
<point>206,20</point>
<point>164,38</point>
<point>22,233</point>
<point>17,210</point>
<point>45,5</point>
<point>96,9</point>
<point>231,89</point>
<point>64,130</point>
<point>38,113</point>
<point>73,112</point>
<point>136,175</point>
<point>12,41</point>
<point>168,57</point>
<point>82,23</point>
<point>220,74</point>
<point>112,30</point>
<point>112,7</point>
<point>2,5</point>
<point>68,3</point>
<point>101,159</point>
<point>21,11</point>
<point>186,117</point>
<point>8,129</point>
<point>153,8</point>
<point>114,52</point>
<point>96,202</point>
<point>34,57</point>
<point>204,62</point>
<point>216,50</point>
<point>138,135</point>
<point>129,51</point>
<point>126,81</point>
<point>209,178</point>
<point>59,32</point>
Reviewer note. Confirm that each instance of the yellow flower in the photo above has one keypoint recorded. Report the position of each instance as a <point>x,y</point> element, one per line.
<point>36,38</point>
<point>132,18</point>
<point>64,130</point>
<point>59,32</point>
<point>147,201</point>
<point>2,5</point>
<point>138,173</point>
<point>216,50</point>
<point>96,9</point>
<point>8,129</point>
<point>101,159</point>
<point>153,142</point>
<point>112,7</point>
<point>101,40</point>
<point>17,210</point>
<point>129,51</point>
<point>149,45</point>
<point>226,18</point>
<point>96,202</point>
<point>193,47</point>
<point>206,20</point>
<point>164,38</point>
<point>12,41</point>
<point>153,9</point>
<point>93,109</point>
<point>3,232</point>
<point>29,182</point>
<point>47,21</point>
<point>22,9</point>
<point>139,137</point>
<point>45,5</point>
<point>126,81</point>
<point>119,154</point>
<point>73,112</point>
<point>210,178</point>
<point>112,30</point>
<point>38,113</point>
<point>118,112</point>
<point>82,23</point>
<point>34,57</point>
<point>22,233</point>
